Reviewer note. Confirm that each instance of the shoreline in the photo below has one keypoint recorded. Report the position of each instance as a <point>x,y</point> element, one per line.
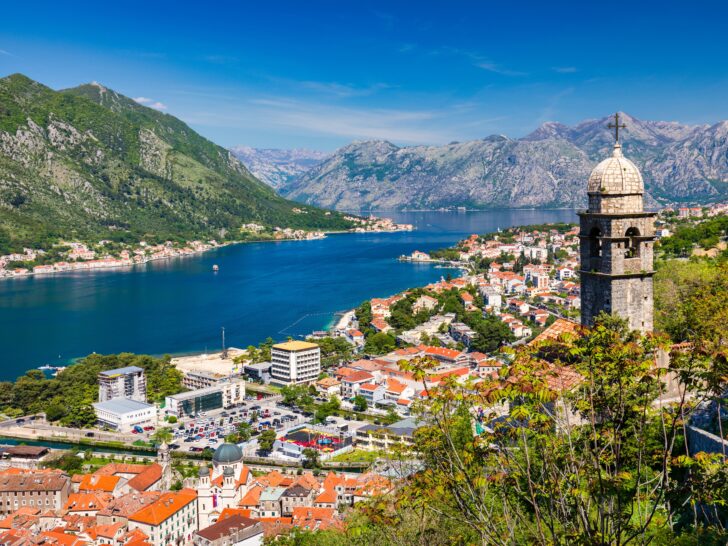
<point>131,265</point>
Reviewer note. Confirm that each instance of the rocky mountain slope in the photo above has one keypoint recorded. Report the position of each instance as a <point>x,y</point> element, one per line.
<point>89,163</point>
<point>276,167</point>
<point>549,167</point>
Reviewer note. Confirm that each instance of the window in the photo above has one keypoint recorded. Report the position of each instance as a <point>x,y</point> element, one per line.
<point>595,243</point>
<point>632,248</point>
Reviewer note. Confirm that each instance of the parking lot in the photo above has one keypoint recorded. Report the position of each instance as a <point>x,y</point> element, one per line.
<point>209,429</point>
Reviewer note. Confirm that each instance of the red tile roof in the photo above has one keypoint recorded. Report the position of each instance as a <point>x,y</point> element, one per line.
<point>559,327</point>
<point>147,478</point>
<point>166,506</point>
<point>95,482</point>
<point>358,376</point>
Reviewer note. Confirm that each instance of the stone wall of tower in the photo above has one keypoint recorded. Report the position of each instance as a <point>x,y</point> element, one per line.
<point>615,204</point>
<point>617,267</point>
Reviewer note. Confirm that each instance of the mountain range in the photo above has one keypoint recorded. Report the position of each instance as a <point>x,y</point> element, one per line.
<point>89,163</point>
<point>277,167</point>
<point>547,168</point>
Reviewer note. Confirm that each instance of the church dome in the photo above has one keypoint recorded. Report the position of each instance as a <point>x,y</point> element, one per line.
<point>203,472</point>
<point>616,175</point>
<point>228,472</point>
<point>227,453</point>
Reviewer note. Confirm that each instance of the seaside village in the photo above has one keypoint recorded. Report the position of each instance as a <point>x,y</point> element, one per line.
<point>343,395</point>
<point>79,256</point>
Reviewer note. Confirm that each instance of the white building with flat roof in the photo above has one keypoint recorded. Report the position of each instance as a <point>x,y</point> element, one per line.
<point>295,362</point>
<point>123,415</point>
<point>128,383</point>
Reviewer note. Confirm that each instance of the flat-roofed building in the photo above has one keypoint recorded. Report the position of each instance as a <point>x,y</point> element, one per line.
<point>295,362</point>
<point>123,415</point>
<point>225,394</point>
<point>194,380</point>
<point>44,490</point>
<point>126,382</point>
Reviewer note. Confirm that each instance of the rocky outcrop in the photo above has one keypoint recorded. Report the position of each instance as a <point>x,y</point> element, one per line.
<point>549,167</point>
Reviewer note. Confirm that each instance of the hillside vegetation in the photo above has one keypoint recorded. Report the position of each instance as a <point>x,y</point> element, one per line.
<point>88,163</point>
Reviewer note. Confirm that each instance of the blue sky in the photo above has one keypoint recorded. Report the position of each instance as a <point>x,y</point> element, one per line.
<point>321,74</point>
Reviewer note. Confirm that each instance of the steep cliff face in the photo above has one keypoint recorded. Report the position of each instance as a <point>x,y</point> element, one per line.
<point>91,163</point>
<point>277,167</point>
<point>549,167</point>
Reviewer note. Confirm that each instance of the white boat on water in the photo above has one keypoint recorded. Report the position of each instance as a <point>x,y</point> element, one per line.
<point>215,268</point>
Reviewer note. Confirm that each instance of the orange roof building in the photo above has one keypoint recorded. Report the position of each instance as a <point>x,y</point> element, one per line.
<point>171,518</point>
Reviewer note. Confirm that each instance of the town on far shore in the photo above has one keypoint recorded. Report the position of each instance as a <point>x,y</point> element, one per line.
<point>104,254</point>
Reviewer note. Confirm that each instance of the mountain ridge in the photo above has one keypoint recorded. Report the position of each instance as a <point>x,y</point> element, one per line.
<point>90,163</point>
<point>548,167</point>
<point>277,167</point>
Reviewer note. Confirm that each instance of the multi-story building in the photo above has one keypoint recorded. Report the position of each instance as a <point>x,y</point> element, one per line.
<point>126,382</point>
<point>201,380</point>
<point>225,394</point>
<point>295,362</point>
<point>171,519</point>
<point>42,490</point>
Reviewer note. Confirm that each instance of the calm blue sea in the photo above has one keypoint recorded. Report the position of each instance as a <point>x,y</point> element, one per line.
<point>262,289</point>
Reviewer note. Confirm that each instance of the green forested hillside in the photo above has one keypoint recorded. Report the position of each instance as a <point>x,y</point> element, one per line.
<point>88,163</point>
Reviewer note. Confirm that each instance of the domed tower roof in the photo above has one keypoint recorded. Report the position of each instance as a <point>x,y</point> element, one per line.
<point>227,454</point>
<point>616,175</point>
<point>203,472</point>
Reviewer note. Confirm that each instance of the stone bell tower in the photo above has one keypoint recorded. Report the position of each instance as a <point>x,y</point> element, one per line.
<point>617,237</point>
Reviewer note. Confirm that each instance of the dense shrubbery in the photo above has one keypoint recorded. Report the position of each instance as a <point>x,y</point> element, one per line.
<point>67,398</point>
<point>705,234</point>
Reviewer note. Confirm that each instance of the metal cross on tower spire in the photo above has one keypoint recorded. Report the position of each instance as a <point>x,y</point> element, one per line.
<point>616,126</point>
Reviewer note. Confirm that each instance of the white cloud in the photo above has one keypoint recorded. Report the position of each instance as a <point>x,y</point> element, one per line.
<point>497,69</point>
<point>343,89</point>
<point>293,115</point>
<point>564,69</point>
<point>151,103</point>
<point>478,61</point>
<point>6,52</point>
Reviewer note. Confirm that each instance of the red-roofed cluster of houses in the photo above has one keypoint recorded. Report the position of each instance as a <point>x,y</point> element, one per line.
<point>124,505</point>
<point>383,383</point>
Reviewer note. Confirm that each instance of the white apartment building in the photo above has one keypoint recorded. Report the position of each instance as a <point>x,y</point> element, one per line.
<point>126,382</point>
<point>295,362</point>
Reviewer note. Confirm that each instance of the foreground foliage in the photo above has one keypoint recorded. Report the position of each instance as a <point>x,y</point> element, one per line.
<point>571,445</point>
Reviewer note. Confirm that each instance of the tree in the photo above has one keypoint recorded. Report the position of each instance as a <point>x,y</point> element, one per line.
<point>69,462</point>
<point>583,457</point>
<point>162,435</point>
<point>379,343</point>
<point>266,440</point>
<point>244,432</point>
<point>360,403</point>
<point>311,458</point>
<point>55,411</point>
